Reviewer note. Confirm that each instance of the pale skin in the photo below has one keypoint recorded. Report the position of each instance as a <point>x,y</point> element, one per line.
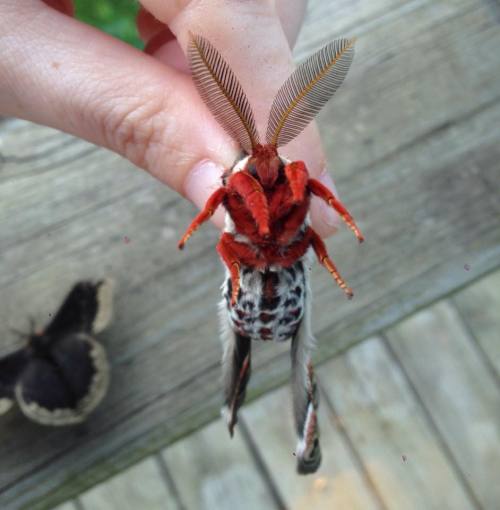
<point>62,73</point>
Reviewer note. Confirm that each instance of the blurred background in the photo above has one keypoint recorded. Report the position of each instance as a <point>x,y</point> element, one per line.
<point>116,17</point>
<point>408,371</point>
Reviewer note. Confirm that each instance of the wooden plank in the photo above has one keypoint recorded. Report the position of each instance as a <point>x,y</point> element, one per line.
<point>389,431</point>
<point>141,486</point>
<point>447,47</point>
<point>212,471</point>
<point>66,506</point>
<point>66,217</point>
<point>338,484</point>
<point>450,379</point>
<point>340,19</point>
<point>479,306</point>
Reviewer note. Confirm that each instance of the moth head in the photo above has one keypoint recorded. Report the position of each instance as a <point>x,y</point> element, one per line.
<point>266,164</point>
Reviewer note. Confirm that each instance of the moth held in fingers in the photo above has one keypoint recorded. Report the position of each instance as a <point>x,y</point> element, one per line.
<point>268,243</point>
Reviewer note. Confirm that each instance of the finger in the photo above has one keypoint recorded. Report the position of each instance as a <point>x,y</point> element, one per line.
<point>161,42</point>
<point>235,35</point>
<point>291,19</point>
<point>105,91</point>
<point>251,21</point>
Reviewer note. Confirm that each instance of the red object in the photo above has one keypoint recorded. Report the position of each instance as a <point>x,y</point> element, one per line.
<point>271,218</point>
<point>268,239</point>
<point>268,199</point>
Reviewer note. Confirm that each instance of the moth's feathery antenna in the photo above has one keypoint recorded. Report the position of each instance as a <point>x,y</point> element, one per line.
<point>222,92</point>
<point>307,90</point>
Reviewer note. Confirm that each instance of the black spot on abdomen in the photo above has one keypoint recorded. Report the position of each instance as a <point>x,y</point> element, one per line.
<point>269,303</point>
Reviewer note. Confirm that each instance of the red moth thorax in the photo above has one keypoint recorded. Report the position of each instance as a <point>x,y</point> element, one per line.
<point>268,243</point>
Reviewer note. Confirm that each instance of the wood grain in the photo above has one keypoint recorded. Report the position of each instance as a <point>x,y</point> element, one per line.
<point>413,137</point>
<point>389,429</point>
<point>141,486</point>
<point>451,381</point>
<point>338,483</point>
<point>479,306</point>
<point>66,506</point>
<point>212,471</point>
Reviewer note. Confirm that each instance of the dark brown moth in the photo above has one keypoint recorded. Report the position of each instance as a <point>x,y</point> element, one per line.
<point>62,373</point>
<point>268,243</point>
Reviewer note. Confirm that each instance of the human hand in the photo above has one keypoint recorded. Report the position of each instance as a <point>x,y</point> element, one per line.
<point>63,73</point>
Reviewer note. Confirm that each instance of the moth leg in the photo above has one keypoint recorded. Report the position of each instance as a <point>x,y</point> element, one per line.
<point>320,250</point>
<point>297,176</point>
<point>324,193</point>
<point>252,193</point>
<point>211,205</point>
<point>233,264</point>
<point>234,254</point>
<point>292,223</point>
<point>305,401</point>
<point>236,373</point>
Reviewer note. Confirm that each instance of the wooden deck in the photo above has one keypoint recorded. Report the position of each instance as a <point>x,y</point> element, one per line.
<point>413,140</point>
<point>410,419</point>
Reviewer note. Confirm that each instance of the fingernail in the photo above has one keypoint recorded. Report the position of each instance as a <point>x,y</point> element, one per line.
<point>328,215</point>
<point>201,182</point>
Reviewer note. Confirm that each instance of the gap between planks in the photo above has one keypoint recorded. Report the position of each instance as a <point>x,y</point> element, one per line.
<point>452,382</point>
<point>434,428</point>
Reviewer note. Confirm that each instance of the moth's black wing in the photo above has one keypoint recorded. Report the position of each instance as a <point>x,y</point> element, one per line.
<point>63,388</point>
<point>86,309</point>
<point>11,368</point>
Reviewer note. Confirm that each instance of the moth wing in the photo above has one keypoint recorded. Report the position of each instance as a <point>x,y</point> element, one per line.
<point>86,309</point>
<point>304,389</point>
<point>11,368</point>
<point>5,404</point>
<point>63,388</point>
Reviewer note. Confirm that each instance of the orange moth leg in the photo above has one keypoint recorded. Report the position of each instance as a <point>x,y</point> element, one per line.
<point>324,193</point>
<point>297,176</point>
<point>320,250</point>
<point>292,222</point>
<point>250,190</point>
<point>211,205</point>
<point>232,263</point>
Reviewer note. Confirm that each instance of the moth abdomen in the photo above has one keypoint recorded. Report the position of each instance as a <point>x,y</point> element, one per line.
<point>268,307</point>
